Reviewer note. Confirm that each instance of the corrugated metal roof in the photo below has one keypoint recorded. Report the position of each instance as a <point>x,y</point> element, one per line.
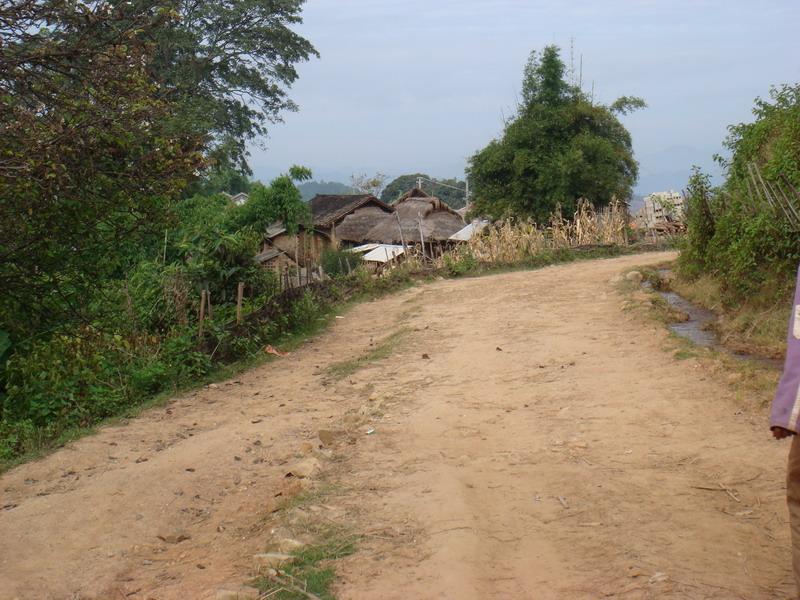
<point>267,255</point>
<point>364,248</point>
<point>275,229</point>
<point>468,231</point>
<point>384,253</point>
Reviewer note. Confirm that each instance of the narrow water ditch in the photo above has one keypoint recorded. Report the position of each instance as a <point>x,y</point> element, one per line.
<point>698,327</point>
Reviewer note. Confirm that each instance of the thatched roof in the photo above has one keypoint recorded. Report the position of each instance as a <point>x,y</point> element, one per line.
<point>412,193</point>
<point>355,226</point>
<point>327,209</point>
<point>439,222</point>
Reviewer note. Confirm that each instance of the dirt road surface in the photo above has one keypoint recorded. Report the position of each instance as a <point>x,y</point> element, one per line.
<point>530,440</point>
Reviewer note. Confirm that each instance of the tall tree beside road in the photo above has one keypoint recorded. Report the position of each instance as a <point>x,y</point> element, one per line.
<point>228,66</point>
<point>109,109</point>
<point>558,148</point>
<point>87,152</point>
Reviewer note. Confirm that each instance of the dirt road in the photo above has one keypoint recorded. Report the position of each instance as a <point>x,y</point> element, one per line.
<point>530,440</point>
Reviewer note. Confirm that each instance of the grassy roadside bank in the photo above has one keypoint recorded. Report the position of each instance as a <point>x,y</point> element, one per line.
<point>750,331</point>
<point>306,316</point>
<point>755,327</point>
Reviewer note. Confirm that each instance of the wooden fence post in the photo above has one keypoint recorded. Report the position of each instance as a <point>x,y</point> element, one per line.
<point>202,313</point>
<point>239,297</point>
<point>421,237</point>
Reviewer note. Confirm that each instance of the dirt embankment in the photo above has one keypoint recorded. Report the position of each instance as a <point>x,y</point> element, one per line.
<point>530,439</point>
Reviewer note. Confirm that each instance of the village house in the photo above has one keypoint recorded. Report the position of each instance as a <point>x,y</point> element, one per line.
<point>327,213</point>
<point>364,221</point>
<point>415,218</point>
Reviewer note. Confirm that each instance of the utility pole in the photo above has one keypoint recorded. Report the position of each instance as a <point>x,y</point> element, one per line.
<point>572,59</point>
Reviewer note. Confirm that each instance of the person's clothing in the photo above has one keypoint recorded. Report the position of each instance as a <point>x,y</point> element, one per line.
<point>793,501</point>
<point>786,405</point>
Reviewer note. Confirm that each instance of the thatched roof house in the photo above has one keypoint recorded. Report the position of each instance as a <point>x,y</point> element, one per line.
<point>329,211</point>
<point>414,210</point>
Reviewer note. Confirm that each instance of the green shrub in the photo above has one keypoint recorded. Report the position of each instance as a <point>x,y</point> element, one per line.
<point>747,244</point>
<point>456,264</point>
<point>67,379</point>
<point>149,377</point>
<point>16,438</point>
<point>181,355</point>
<point>304,313</point>
<point>338,263</point>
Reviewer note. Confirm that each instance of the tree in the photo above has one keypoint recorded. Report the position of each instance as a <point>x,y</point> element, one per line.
<point>455,198</point>
<point>559,147</point>
<point>228,66</point>
<point>88,156</point>
<point>280,201</point>
<point>365,184</point>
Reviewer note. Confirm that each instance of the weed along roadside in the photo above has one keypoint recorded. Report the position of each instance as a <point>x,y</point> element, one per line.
<point>698,333</point>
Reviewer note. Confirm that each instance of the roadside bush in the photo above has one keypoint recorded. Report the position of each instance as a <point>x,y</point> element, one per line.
<point>338,263</point>
<point>70,380</point>
<point>748,244</point>
<point>16,438</point>
<point>459,262</point>
<point>700,225</point>
<point>183,358</point>
<point>304,313</point>
<point>149,377</point>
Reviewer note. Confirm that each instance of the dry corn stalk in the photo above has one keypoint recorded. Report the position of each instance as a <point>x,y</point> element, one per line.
<point>512,241</point>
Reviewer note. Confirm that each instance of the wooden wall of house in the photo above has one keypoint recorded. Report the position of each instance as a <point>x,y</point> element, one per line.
<point>307,246</point>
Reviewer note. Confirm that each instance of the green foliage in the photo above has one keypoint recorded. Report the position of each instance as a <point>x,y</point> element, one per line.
<point>338,263</point>
<point>700,224</point>
<point>67,379</point>
<point>400,185</point>
<point>281,201</point>
<point>311,569</point>
<point>120,120</point>
<point>747,245</point>
<point>89,159</point>
<point>219,178</point>
<point>558,148</point>
<point>229,66</point>
<point>460,264</point>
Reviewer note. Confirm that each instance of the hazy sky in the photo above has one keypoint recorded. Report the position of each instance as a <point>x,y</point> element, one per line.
<point>407,86</point>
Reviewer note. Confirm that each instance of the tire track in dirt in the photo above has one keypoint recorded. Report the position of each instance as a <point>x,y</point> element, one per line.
<point>547,448</point>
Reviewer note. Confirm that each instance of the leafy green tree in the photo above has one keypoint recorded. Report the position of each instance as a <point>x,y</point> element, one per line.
<point>219,178</point>
<point>88,157</point>
<point>745,242</point>
<point>309,189</point>
<point>228,66</point>
<point>699,222</point>
<point>455,198</point>
<point>280,201</point>
<point>559,147</point>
